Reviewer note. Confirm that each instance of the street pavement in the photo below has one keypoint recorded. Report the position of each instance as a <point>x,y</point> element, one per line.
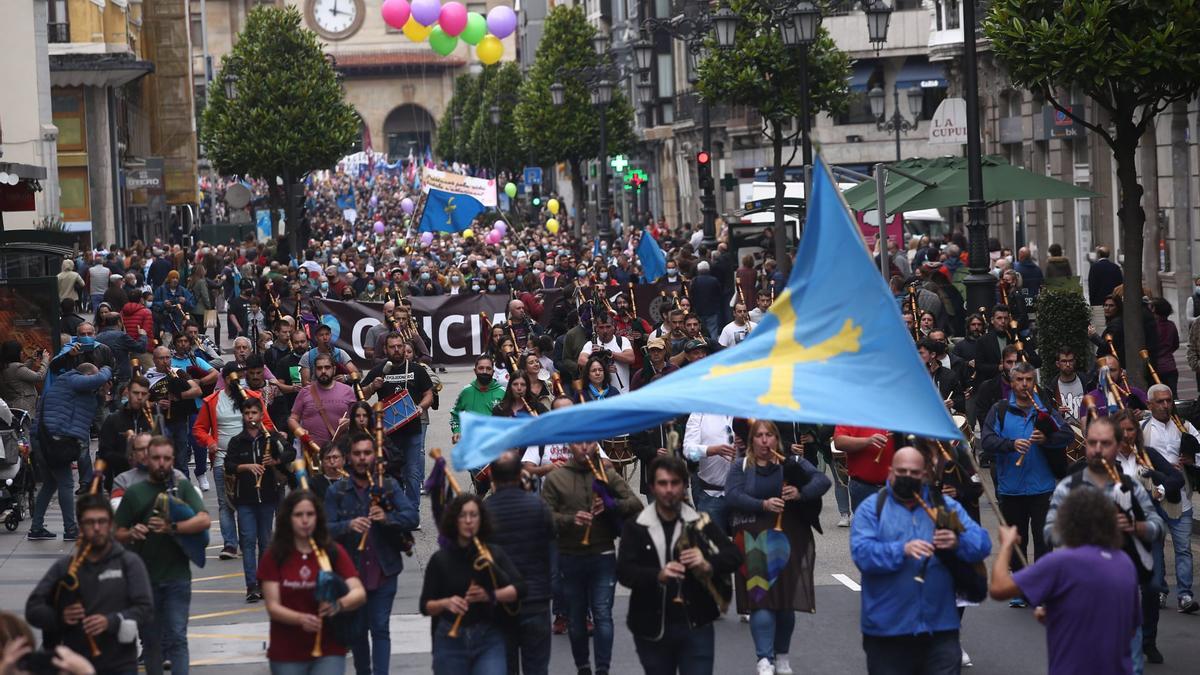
<point>228,636</point>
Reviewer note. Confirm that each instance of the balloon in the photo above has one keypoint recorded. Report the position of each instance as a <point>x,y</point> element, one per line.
<point>379,227</point>
<point>501,21</point>
<point>407,205</point>
<point>500,226</point>
<point>441,43</point>
<point>426,12</point>
<point>489,50</point>
<point>552,204</point>
<point>493,237</point>
<point>510,190</point>
<point>468,233</point>
<point>552,226</point>
<point>453,18</point>
<point>395,13</point>
<point>475,30</point>
<point>426,238</point>
<point>415,31</point>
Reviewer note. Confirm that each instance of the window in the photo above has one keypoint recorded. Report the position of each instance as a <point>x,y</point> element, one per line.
<point>58,22</point>
<point>73,189</point>
<point>68,113</point>
<point>858,110</point>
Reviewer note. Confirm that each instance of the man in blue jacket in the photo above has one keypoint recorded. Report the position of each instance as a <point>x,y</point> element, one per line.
<point>909,626</point>
<point>353,512</point>
<point>66,413</point>
<point>1015,434</point>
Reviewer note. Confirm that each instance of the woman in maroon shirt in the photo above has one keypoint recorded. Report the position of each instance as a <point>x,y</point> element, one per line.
<point>288,573</point>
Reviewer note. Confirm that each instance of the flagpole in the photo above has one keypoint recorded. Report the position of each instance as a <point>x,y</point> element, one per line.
<point>881,216</point>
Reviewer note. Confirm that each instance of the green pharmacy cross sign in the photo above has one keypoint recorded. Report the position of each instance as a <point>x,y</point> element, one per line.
<point>619,163</point>
<point>635,179</point>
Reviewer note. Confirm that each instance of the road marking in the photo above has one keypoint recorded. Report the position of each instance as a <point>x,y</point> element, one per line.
<point>214,591</point>
<point>220,576</point>
<point>847,582</point>
<point>231,612</point>
<point>221,636</point>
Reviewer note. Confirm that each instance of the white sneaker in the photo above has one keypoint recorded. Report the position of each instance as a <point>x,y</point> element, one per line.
<point>765,667</point>
<point>744,618</point>
<point>782,667</point>
<point>204,482</point>
<point>844,521</point>
<point>966,659</point>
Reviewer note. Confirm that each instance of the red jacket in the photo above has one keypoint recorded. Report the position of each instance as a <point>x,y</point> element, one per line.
<point>135,314</point>
<point>205,427</point>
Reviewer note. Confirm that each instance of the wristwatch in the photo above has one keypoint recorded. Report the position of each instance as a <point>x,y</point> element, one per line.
<point>174,528</point>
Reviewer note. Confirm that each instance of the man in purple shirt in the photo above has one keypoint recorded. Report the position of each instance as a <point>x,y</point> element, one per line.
<point>1090,617</point>
<point>321,404</point>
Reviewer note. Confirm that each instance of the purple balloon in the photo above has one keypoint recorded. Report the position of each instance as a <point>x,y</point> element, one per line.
<point>500,226</point>
<point>426,238</point>
<point>379,227</point>
<point>426,12</point>
<point>501,20</point>
<point>407,205</point>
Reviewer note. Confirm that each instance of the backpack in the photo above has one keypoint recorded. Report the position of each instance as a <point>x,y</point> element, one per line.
<point>970,579</point>
<point>1135,548</point>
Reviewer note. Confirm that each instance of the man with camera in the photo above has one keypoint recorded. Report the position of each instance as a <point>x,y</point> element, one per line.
<point>615,350</point>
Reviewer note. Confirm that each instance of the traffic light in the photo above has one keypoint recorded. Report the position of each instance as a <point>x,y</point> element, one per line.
<point>704,168</point>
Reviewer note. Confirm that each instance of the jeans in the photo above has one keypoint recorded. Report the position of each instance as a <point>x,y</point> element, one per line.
<point>1135,651</point>
<point>528,638</point>
<point>712,324</point>
<point>198,452</point>
<point>166,636</point>
<point>860,490</point>
<point>96,299</point>
<point>841,491</point>
<point>326,665</point>
<point>478,650</point>
<point>84,462</point>
<point>690,652</point>
<point>588,583</point>
<point>1181,535</point>
<point>557,603</point>
<point>54,480</point>
<point>254,535</point>
<point>413,448</point>
<point>372,655</point>
<point>926,654</point>
<point>1028,514</point>
<point>772,632</point>
<point>225,513</point>
<point>716,507</point>
<point>180,434</point>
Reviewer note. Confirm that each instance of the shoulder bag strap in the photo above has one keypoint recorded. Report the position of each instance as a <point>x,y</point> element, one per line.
<point>320,408</point>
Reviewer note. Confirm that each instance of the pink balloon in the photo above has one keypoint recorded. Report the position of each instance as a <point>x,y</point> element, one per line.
<point>395,13</point>
<point>453,18</point>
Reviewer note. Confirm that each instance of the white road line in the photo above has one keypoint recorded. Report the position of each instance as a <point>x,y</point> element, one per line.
<point>847,582</point>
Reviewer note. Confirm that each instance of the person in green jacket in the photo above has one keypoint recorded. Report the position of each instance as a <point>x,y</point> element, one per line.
<point>480,396</point>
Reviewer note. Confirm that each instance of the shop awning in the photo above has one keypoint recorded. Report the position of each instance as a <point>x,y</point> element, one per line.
<point>96,70</point>
<point>918,72</point>
<point>860,73</point>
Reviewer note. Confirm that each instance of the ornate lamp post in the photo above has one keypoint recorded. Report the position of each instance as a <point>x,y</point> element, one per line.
<point>897,122</point>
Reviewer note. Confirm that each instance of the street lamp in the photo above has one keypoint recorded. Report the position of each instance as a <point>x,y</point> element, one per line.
<point>897,122</point>
<point>799,27</point>
<point>557,93</point>
<point>232,65</point>
<point>494,111</point>
<point>879,14</point>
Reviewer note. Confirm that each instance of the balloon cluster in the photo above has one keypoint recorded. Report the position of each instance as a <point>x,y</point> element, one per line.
<point>444,25</point>
<point>499,229</point>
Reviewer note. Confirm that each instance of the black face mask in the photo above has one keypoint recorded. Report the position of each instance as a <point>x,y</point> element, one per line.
<point>906,487</point>
<point>484,378</point>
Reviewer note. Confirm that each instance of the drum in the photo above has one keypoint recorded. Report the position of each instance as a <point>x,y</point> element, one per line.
<point>1077,445</point>
<point>620,453</point>
<point>399,410</point>
<point>964,426</point>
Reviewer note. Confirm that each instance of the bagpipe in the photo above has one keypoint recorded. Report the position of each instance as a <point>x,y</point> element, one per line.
<point>329,587</point>
<point>692,536</point>
<point>970,579</point>
<point>171,509</point>
<point>1188,445</point>
<point>66,592</point>
<point>602,489</point>
<point>378,488</point>
<point>484,574</point>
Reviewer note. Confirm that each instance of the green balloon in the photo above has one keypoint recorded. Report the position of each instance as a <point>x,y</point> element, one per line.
<point>441,43</point>
<point>475,30</point>
<point>510,190</point>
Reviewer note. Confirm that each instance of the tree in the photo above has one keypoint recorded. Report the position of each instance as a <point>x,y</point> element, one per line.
<point>288,116</point>
<point>569,133</point>
<point>498,146</point>
<point>450,139</point>
<point>1133,58</point>
<point>760,71</point>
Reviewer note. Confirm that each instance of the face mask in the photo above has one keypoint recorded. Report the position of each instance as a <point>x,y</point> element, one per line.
<point>484,378</point>
<point>604,275</point>
<point>87,341</point>
<point>582,274</point>
<point>324,285</point>
<point>370,288</point>
<point>456,278</point>
<point>906,487</point>
<point>549,269</point>
<point>424,276</point>
<point>672,272</point>
<point>475,287</point>
<point>491,288</point>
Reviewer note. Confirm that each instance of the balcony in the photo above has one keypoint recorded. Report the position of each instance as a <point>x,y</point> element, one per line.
<point>688,106</point>
<point>908,33</point>
<point>58,32</point>
<point>946,38</point>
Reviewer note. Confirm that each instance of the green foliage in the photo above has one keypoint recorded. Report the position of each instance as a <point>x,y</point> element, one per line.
<point>497,146</point>
<point>1062,319</point>
<point>289,116</point>
<point>571,132</point>
<point>760,71</point>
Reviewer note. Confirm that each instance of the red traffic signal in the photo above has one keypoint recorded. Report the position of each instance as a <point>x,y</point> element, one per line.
<point>703,157</point>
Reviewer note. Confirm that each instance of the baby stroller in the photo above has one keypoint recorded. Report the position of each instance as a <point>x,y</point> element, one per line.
<point>16,470</point>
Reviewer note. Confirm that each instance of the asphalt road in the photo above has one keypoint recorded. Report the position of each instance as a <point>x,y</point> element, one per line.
<point>228,636</point>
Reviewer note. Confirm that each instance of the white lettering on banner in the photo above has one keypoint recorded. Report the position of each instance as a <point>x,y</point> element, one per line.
<point>360,331</point>
<point>949,122</point>
<point>476,341</point>
<point>444,337</point>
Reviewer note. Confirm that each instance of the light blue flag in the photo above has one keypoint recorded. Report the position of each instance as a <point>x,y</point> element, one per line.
<point>448,211</point>
<point>654,263</point>
<point>831,350</point>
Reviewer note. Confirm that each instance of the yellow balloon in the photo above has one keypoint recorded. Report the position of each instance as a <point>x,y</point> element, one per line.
<point>489,50</point>
<point>415,31</point>
<point>468,233</point>
<point>553,206</point>
<point>552,226</point>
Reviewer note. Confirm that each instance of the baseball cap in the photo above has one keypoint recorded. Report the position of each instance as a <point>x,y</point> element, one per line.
<point>656,343</point>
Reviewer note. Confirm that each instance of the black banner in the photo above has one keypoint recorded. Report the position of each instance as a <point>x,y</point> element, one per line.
<point>450,324</point>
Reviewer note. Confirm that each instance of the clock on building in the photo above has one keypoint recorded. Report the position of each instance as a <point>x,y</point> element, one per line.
<point>334,19</point>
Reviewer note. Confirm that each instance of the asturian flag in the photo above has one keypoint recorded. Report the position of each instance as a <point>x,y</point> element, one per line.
<point>831,350</point>
<point>452,200</point>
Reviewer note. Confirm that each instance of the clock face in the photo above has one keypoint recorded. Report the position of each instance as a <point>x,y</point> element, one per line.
<point>335,19</point>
